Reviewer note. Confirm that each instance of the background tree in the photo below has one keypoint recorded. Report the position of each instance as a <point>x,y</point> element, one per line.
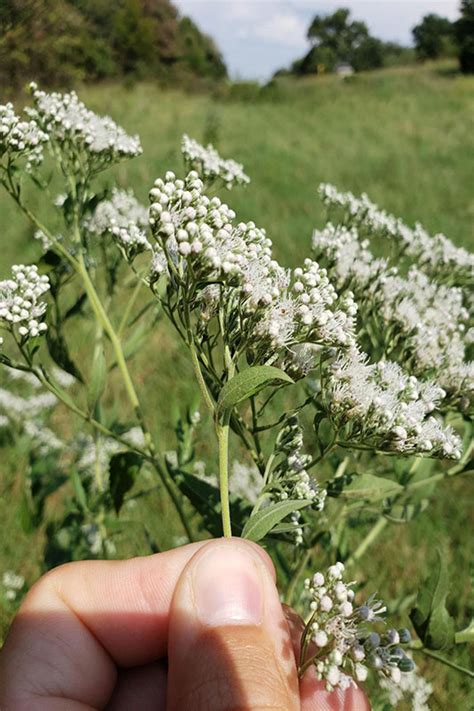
<point>433,37</point>
<point>465,36</point>
<point>59,42</point>
<point>369,55</point>
<point>337,36</point>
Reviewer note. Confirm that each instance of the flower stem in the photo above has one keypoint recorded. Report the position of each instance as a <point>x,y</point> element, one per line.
<point>370,538</point>
<point>199,376</point>
<point>223,440</point>
<point>443,660</point>
<point>129,307</point>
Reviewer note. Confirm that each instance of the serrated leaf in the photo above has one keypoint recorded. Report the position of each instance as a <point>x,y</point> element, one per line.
<point>247,383</point>
<point>123,471</point>
<point>371,488</point>
<point>262,522</point>
<point>430,618</point>
<point>98,378</point>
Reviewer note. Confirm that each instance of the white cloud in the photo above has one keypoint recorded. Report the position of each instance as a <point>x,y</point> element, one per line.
<point>258,36</point>
<point>283,28</point>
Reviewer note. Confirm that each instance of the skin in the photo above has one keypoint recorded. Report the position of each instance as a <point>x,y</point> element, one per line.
<point>159,633</point>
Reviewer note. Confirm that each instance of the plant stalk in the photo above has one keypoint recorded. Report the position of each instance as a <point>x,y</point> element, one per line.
<point>223,440</point>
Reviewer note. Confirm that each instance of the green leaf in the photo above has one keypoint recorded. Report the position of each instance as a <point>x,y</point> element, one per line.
<point>430,618</point>
<point>404,513</point>
<point>247,383</point>
<point>325,433</point>
<point>371,488</point>
<point>205,499</point>
<point>466,635</point>
<point>123,471</point>
<point>134,343</point>
<point>266,519</point>
<point>98,378</point>
<point>79,490</point>
<point>59,352</point>
<point>25,514</point>
<point>76,308</point>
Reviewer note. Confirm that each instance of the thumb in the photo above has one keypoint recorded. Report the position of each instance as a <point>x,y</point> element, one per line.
<point>229,646</point>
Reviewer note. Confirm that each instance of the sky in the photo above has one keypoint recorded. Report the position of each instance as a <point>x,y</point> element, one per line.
<point>257,37</point>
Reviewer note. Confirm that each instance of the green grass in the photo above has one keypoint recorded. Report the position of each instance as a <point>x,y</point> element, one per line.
<point>403,136</point>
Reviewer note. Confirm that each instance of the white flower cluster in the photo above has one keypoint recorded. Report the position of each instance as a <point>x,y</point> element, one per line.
<point>305,313</point>
<point>412,687</point>
<point>418,321</point>
<point>21,308</point>
<point>20,139</point>
<point>436,255</point>
<point>96,542</point>
<point>275,308</point>
<point>21,408</point>
<point>44,240</point>
<point>349,260</point>
<point>28,411</point>
<point>431,322</point>
<point>290,478</point>
<point>87,451</point>
<point>13,584</point>
<point>380,406</point>
<point>123,217</point>
<point>245,481</point>
<point>339,629</point>
<point>120,210</point>
<point>80,133</point>
<point>43,439</point>
<point>209,164</point>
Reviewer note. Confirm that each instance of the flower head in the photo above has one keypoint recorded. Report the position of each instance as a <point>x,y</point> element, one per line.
<point>210,166</point>
<point>20,139</point>
<point>347,648</point>
<point>21,308</point>
<point>79,133</point>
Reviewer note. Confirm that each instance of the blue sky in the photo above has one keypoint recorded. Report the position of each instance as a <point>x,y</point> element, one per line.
<point>257,37</point>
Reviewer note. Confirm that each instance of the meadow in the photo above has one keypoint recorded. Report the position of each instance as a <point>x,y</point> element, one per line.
<point>404,136</point>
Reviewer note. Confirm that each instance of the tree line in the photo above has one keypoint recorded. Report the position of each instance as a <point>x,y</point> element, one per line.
<point>62,41</point>
<point>337,39</point>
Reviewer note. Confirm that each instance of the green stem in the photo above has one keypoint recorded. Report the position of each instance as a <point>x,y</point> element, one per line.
<point>39,225</point>
<point>223,440</point>
<point>199,376</point>
<point>370,538</point>
<point>443,660</point>
<point>102,317</point>
<point>128,310</point>
<point>97,467</point>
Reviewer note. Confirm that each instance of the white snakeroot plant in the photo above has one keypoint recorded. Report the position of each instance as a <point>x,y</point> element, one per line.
<point>330,384</point>
<point>436,255</point>
<point>340,640</point>
<point>209,164</point>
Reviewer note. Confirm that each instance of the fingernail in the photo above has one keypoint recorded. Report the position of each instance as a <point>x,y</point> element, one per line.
<point>227,587</point>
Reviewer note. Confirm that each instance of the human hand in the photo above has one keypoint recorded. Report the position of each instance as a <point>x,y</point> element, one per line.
<point>199,628</point>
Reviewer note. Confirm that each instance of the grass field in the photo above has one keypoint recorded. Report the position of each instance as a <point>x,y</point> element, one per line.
<point>406,137</point>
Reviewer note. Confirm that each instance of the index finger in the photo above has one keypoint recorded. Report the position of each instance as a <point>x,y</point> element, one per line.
<point>82,620</point>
